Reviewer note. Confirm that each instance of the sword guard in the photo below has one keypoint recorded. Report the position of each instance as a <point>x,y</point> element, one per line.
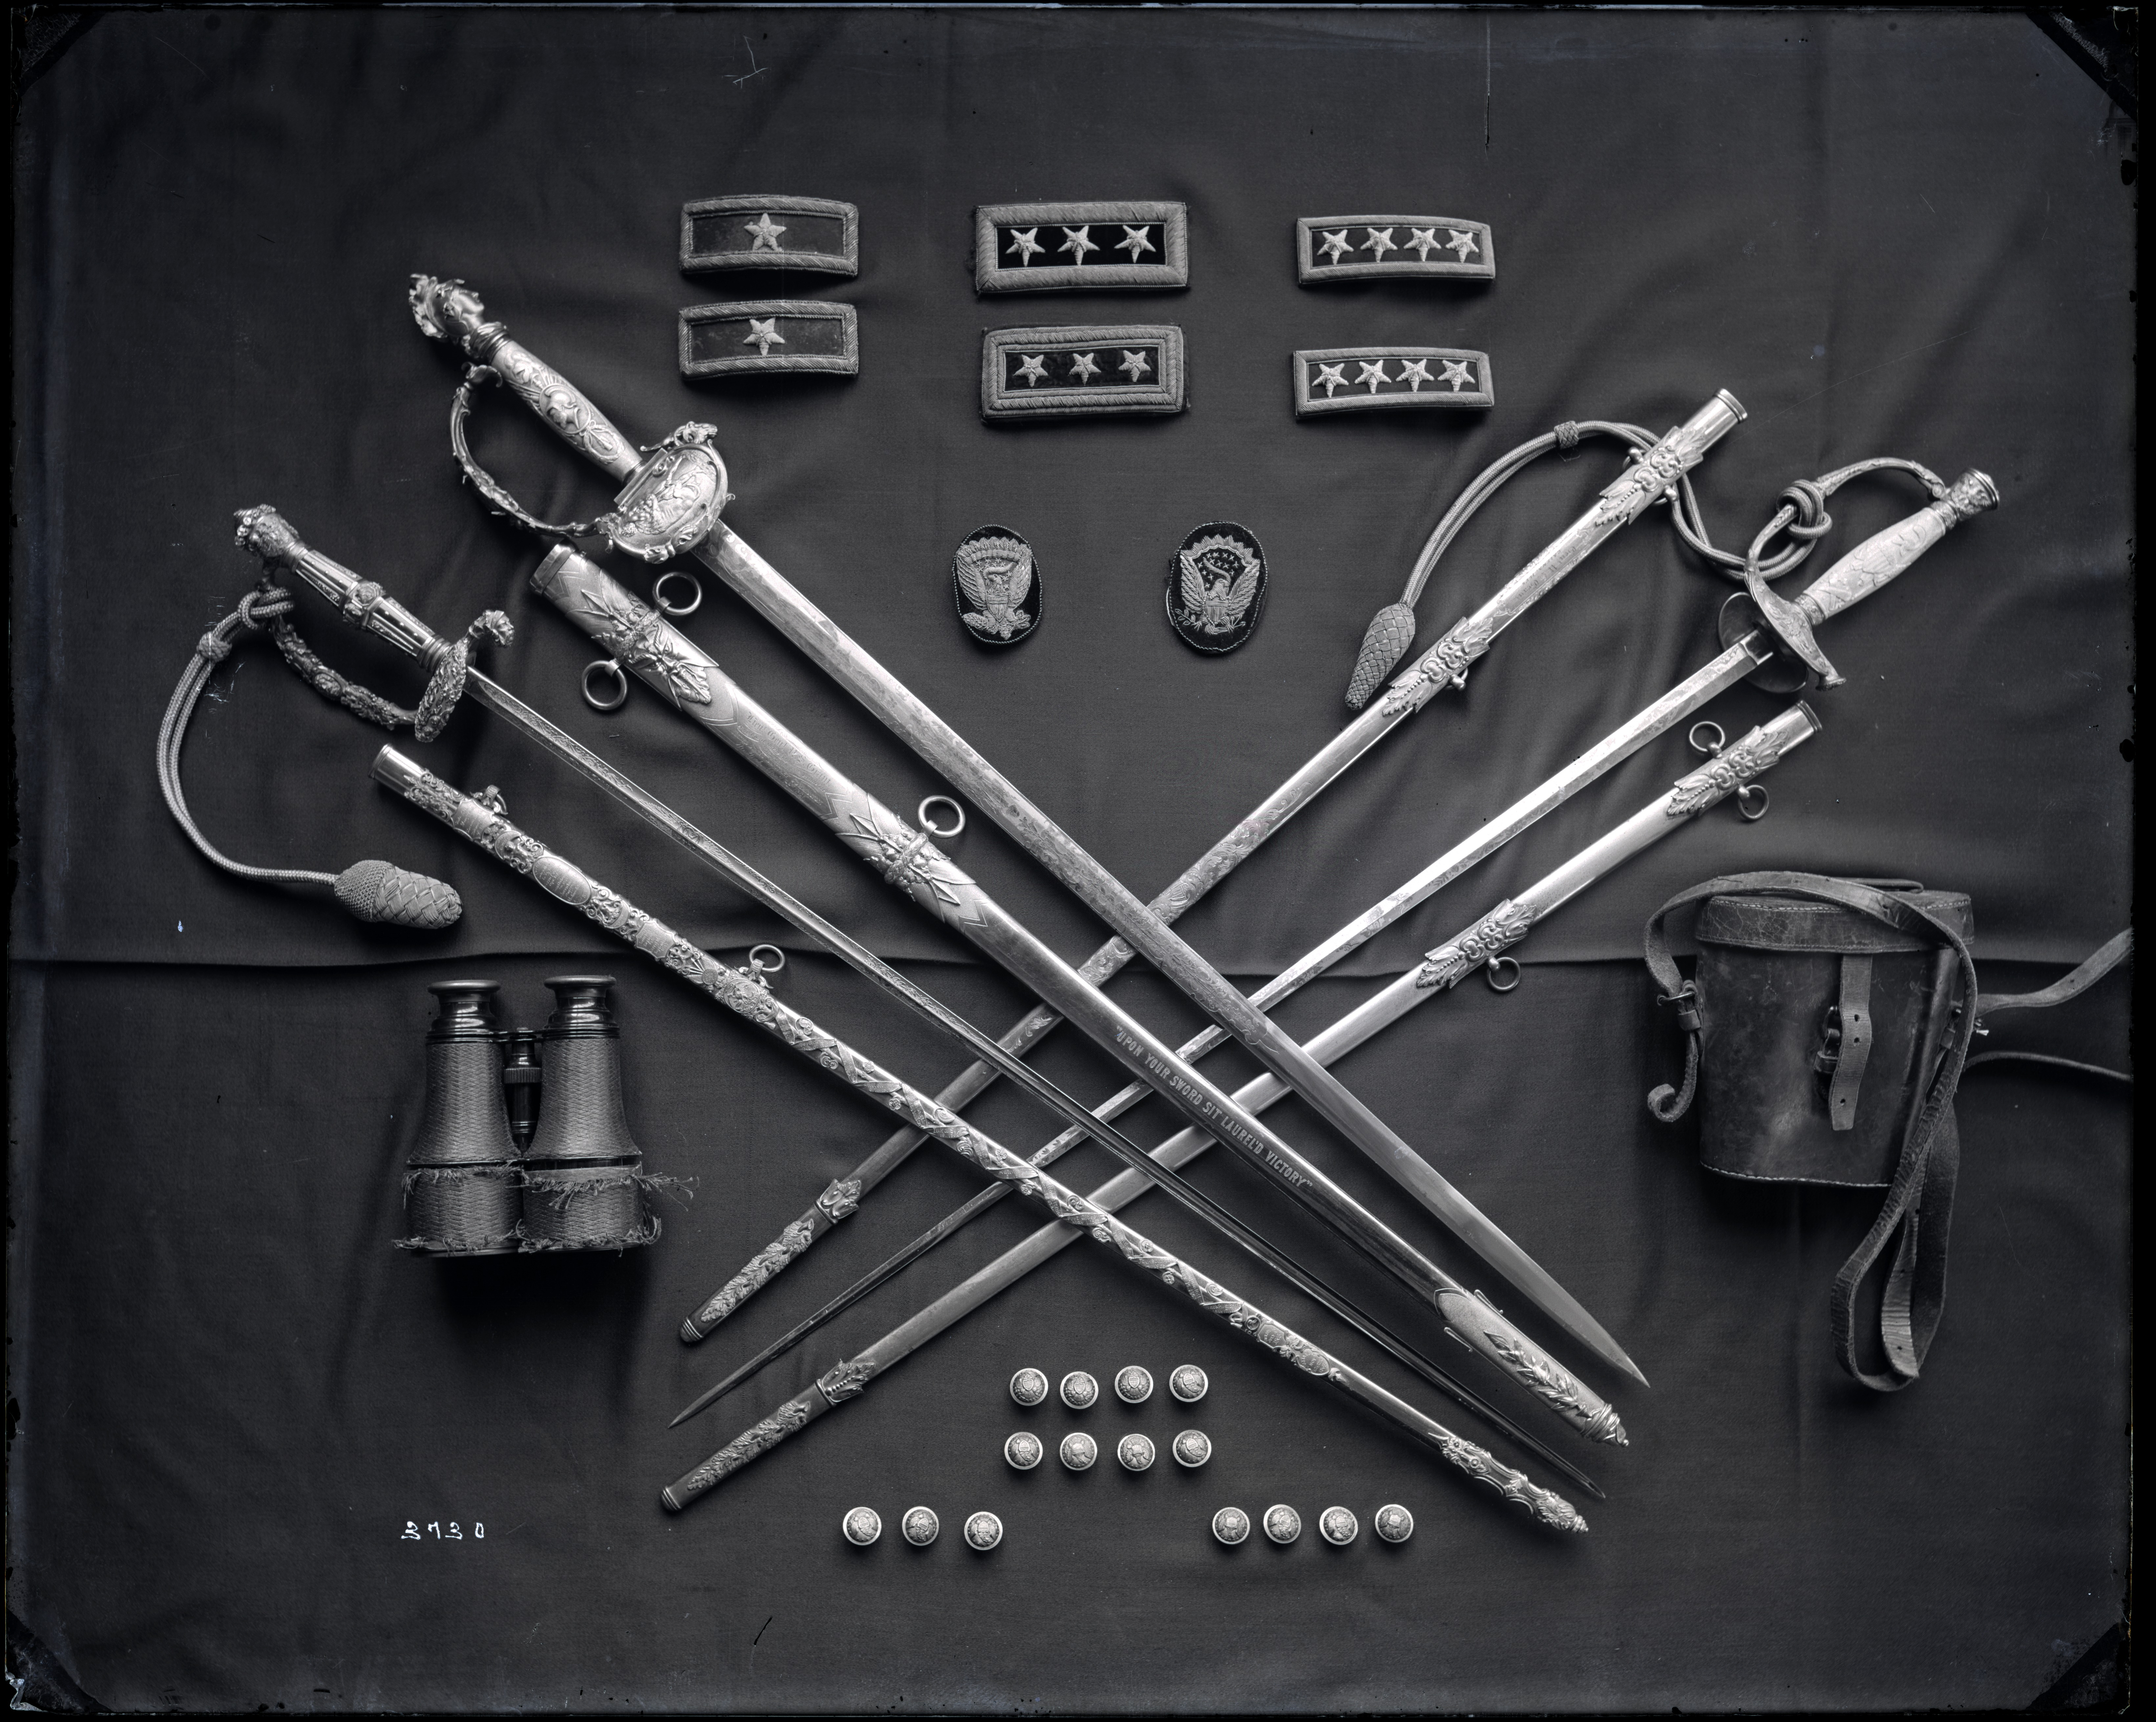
<point>1780,672</point>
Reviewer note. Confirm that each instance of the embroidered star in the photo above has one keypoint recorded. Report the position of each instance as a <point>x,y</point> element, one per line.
<point>1135,363</point>
<point>1372,373</point>
<point>1134,240</point>
<point>1083,367</point>
<point>763,335</point>
<point>1463,243</point>
<point>1379,242</point>
<point>1414,375</point>
<point>1336,246</point>
<point>767,231</point>
<point>1460,373</point>
<point>1422,241</point>
<point>1078,239</point>
<point>1025,241</point>
<point>1330,379</point>
<point>1032,370</point>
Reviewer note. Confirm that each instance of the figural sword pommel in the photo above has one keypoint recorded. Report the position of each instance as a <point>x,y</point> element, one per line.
<point>450,311</point>
<point>1867,568</point>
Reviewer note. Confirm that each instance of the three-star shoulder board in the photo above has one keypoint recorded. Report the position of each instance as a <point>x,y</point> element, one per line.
<point>1032,248</point>
<point>1081,371</point>
<point>1363,247</point>
<point>753,337</point>
<point>816,234</point>
<point>1361,379</point>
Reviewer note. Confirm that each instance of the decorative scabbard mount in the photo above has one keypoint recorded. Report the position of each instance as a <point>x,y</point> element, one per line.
<point>1360,248</point>
<point>720,234</point>
<point>1079,371</point>
<point>1359,379</point>
<point>755,338</point>
<point>1031,247</point>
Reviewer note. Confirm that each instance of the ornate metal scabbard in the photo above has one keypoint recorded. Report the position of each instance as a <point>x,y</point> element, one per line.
<point>747,998</point>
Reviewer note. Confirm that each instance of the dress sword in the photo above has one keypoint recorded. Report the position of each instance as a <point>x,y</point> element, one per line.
<point>750,999</point>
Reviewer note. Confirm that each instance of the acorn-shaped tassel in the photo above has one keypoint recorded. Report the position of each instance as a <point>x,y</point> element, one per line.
<point>1392,631</point>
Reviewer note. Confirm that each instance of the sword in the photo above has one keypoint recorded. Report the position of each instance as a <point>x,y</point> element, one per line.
<point>266,534</point>
<point>1732,771</point>
<point>678,488</point>
<point>1751,652</point>
<point>643,642</point>
<point>747,998</point>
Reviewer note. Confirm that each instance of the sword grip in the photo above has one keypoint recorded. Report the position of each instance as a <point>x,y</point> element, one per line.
<point>753,1441</point>
<point>450,311</point>
<point>1483,1327</point>
<point>1885,555</point>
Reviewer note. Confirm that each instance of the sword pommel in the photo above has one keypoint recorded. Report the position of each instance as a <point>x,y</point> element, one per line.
<point>449,311</point>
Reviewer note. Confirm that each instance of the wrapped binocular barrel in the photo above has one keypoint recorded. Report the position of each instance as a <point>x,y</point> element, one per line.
<point>520,1156</point>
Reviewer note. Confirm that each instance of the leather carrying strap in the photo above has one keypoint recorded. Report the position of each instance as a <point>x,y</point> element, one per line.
<point>1919,1202</point>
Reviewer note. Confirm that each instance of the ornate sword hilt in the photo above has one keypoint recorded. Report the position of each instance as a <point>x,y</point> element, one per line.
<point>1481,1326</point>
<point>268,536</point>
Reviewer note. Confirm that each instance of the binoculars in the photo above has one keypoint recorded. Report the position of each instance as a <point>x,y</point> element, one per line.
<point>523,1144</point>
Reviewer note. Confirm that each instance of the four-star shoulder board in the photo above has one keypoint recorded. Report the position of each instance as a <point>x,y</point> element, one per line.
<point>1356,379</point>
<point>751,336</point>
<point>1032,248</point>
<point>1080,370</point>
<point>1361,248</point>
<point>770,232</point>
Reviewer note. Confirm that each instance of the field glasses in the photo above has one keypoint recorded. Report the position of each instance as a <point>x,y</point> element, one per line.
<point>523,1145</point>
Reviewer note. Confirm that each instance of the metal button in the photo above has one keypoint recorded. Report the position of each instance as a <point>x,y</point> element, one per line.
<point>1078,1452</point>
<point>1134,1452</point>
<point>862,1526</point>
<point>1192,1448</point>
<point>1023,1451</point>
<point>1394,1523</point>
<point>1079,1389</point>
<point>1231,1526</point>
<point>1133,1385</point>
<point>1283,1524</point>
<point>983,1531</point>
<point>1028,1387</point>
<point>1339,1526</point>
<point>919,1526</point>
<point>1188,1383</point>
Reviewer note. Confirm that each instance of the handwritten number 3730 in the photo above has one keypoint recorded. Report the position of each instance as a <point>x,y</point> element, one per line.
<point>411,1532</point>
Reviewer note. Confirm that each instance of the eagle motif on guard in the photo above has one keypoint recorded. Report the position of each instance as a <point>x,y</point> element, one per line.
<point>993,575</point>
<point>1216,587</point>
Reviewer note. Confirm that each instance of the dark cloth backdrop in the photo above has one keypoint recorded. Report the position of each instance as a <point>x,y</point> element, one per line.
<point>1887,233</point>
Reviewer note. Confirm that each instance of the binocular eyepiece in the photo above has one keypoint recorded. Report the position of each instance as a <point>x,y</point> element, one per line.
<point>523,1143</point>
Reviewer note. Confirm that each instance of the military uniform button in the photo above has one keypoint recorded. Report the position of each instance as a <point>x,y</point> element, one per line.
<point>1079,1389</point>
<point>1231,1526</point>
<point>920,1526</point>
<point>863,1525</point>
<point>1192,1448</point>
<point>1023,1451</point>
<point>1028,1387</point>
<point>1134,1385</point>
<point>1134,1452</point>
<point>983,1531</point>
<point>1394,1523</point>
<point>1283,1524</point>
<point>1189,1383</point>
<point>1078,1452</point>
<point>1339,1526</point>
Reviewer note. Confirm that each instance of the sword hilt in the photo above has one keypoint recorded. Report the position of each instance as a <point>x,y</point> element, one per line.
<point>1481,1327</point>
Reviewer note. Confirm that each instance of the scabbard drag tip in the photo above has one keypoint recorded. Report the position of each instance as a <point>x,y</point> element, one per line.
<point>666,1500</point>
<point>691,1333</point>
<point>375,891</point>
<point>1391,632</point>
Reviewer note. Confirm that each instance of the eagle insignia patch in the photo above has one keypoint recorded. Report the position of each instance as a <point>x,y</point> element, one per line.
<point>996,586</point>
<point>1216,587</point>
